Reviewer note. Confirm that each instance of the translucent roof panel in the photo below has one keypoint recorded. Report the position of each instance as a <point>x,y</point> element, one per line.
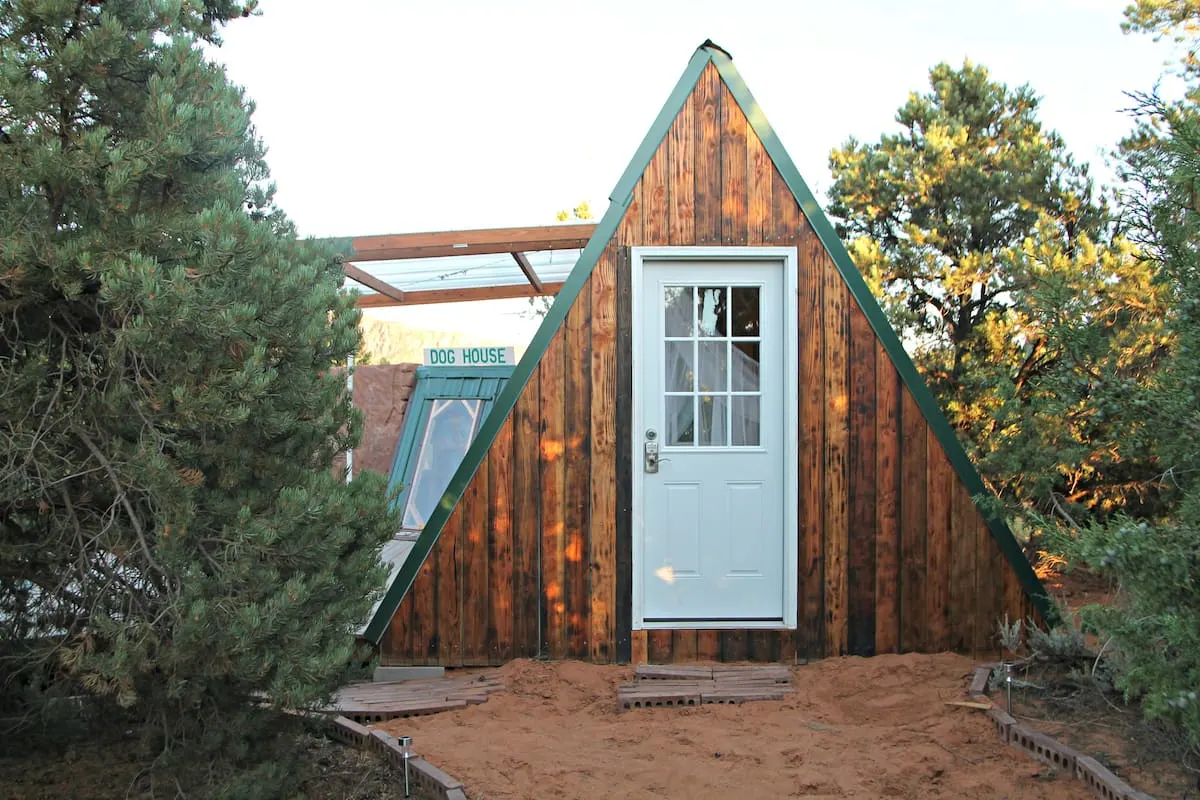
<point>467,272</point>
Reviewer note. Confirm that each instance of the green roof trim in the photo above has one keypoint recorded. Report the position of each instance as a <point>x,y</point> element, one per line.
<point>607,227</point>
<point>934,416</point>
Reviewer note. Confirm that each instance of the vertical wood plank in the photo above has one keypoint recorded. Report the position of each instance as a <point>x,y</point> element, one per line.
<point>449,590</point>
<point>733,171</point>
<point>708,156</point>
<point>681,180</point>
<point>527,521</point>
<point>708,645</point>
<point>1014,597</point>
<point>654,197</point>
<point>396,648</point>
<point>553,473</point>
<point>683,646</point>
<point>734,646</point>
<point>578,392</point>
<point>887,500</point>
<point>475,505</point>
<point>501,585</point>
<point>629,231</point>
<point>913,530</point>
<point>639,648</point>
<point>837,434</point>
<point>624,461</point>
<point>604,460</point>
<point>937,557</point>
<point>989,604</point>
<point>863,508</point>
<point>763,646</point>
<point>785,221</point>
<point>660,647</point>
<point>425,618</point>
<point>962,570</point>
<point>811,583</point>
<point>760,216</point>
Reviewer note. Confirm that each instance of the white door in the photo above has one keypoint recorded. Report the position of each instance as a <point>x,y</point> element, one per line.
<point>712,444</point>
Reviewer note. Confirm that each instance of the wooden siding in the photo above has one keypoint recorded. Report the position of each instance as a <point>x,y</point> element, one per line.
<point>537,558</point>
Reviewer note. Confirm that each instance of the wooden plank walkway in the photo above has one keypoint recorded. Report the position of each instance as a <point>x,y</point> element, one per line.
<point>692,685</point>
<point>366,703</point>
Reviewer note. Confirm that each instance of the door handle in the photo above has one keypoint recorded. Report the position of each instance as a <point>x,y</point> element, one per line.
<point>651,458</point>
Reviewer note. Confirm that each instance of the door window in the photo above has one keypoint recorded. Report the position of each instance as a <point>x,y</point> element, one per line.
<point>712,395</point>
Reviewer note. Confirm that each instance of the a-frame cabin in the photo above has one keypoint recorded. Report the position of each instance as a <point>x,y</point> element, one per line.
<point>715,448</point>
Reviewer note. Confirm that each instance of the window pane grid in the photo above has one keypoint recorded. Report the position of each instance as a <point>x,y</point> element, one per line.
<point>713,401</point>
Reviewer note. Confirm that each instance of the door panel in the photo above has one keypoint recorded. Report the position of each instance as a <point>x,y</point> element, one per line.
<point>710,389</point>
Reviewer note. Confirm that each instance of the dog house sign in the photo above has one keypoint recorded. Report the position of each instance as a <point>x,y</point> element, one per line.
<point>470,356</point>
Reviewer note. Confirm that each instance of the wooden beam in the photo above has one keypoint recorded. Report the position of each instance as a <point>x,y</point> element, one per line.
<point>433,296</point>
<point>474,242</point>
<point>527,268</point>
<point>371,282</point>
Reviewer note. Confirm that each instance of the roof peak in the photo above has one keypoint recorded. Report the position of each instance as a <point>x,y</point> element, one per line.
<point>709,44</point>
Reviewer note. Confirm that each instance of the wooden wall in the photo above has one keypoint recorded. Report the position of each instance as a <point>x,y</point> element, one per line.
<point>536,559</point>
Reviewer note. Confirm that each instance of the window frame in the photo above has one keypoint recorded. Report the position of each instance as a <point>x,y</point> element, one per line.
<point>433,384</point>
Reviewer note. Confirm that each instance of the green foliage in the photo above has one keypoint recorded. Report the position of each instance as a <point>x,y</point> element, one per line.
<point>1156,626</point>
<point>1032,322</point>
<point>1154,629</point>
<point>173,538</point>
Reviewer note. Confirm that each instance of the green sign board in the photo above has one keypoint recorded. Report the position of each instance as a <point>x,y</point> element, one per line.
<point>470,356</point>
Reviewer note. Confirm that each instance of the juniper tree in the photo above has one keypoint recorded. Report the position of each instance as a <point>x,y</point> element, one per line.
<point>1031,318</point>
<point>172,536</point>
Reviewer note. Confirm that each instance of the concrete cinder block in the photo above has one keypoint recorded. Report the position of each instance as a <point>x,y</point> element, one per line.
<point>394,674</point>
<point>456,794</point>
<point>1097,778</point>
<point>1003,722</point>
<point>433,775</point>
<point>349,731</point>
<point>1049,751</point>
<point>979,680</point>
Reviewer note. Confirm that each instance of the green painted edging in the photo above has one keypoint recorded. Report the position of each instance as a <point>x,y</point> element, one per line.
<point>507,400</point>
<point>431,385</point>
<point>883,329</point>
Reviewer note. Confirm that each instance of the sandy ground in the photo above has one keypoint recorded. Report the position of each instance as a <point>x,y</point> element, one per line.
<point>865,728</point>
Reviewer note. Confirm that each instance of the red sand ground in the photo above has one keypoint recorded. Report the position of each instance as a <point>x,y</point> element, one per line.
<point>854,727</point>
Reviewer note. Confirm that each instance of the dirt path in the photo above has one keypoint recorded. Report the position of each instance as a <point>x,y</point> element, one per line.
<point>854,727</point>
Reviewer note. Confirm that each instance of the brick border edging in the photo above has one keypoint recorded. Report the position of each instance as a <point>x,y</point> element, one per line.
<point>1098,779</point>
<point>425,776</point>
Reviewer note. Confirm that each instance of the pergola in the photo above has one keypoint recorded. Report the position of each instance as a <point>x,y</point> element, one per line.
<point>458,266</point>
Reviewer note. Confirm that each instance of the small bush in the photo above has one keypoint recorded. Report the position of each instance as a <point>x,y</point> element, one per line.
<point>1155,629</point>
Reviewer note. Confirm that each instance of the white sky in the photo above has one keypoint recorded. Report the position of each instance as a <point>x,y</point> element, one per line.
<point>392,116</point>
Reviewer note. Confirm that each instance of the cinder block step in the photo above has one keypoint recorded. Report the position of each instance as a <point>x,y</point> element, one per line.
<point>775,673</point>
<point>660,672</point>
<point>683,685</point>
<point>734,696</point>
<point>659,699</point>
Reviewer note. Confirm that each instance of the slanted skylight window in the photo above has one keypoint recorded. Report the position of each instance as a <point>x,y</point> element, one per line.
<point>445,413</point>
<point>448,433</point>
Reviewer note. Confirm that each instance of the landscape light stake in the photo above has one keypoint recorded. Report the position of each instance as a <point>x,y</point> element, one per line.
<point>405,743</point>
<point>1008,686</point>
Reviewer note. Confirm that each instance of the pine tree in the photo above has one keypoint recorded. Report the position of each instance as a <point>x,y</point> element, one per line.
<point>1031,318</point>
<point>171,534</point>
